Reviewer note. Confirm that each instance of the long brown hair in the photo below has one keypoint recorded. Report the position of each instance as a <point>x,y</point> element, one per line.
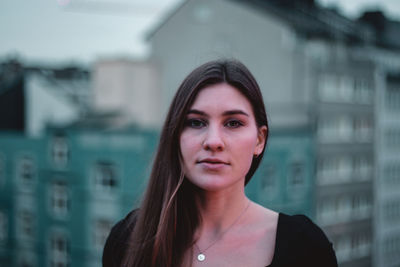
<point>168,215</point>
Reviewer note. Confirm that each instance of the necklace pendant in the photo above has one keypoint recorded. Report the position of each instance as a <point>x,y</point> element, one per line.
<point>201,257</point>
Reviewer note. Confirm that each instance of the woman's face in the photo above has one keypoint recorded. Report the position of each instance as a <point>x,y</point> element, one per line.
<point>220,138</point>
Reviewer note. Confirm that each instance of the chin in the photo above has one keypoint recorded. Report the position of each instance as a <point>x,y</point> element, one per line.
<point>213,183</point>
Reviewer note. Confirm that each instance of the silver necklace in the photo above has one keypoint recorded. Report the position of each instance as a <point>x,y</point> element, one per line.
<point>201,256</point>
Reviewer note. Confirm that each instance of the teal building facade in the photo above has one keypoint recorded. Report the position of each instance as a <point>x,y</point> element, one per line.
<point>18,198</point>
<point>61,194</point>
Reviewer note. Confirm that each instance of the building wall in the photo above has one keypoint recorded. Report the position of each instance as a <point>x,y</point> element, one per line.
<point>386,250</point>
<point>387,188</point>
<point>62,193</point>
<point>345,128</point>
<point>130,88</point>
<point>203,30</point>
<point>19,208</point>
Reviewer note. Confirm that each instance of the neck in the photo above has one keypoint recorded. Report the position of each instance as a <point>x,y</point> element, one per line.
<point>219,210</point>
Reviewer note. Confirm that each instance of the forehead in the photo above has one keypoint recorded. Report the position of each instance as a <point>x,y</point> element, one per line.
<point>221,96</point>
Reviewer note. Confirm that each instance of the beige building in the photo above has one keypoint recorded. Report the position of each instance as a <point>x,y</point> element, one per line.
<point>127,90</point>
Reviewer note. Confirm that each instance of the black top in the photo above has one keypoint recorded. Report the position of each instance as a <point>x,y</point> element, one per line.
<point>299,242</point>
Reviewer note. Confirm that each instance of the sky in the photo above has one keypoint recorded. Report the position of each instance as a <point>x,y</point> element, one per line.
<point>77,31</point>
<point>81,31</point>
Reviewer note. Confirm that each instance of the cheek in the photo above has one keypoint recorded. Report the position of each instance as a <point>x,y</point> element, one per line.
<point>248,143</point>
<point>188,146</point>
<point>245,151</point>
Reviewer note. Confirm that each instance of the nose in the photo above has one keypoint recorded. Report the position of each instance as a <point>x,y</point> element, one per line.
<point>213,140</point>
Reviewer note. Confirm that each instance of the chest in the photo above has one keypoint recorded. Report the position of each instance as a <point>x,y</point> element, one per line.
<point>250,248</point>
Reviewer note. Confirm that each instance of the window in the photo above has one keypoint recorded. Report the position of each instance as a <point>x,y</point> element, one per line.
<point>344,128</point>
<point>269,178</point>
<point>363,130</point>
<point>392,100</point>
<point>344,168</point>
<point>392,137</point>
<point>392,211</point>
<point>269,182</point>
<point>335,129</point>
<point>105,177</point>
<point>59,151</point>
<point>102,228</point>
<point>336,88</point>
<point>26,224</point>
<point>361,206</point>
<point>353,246</point>
<point>26,258</point>
<point>2,170</point>
<point>325,132</point>
<point>324,169</point>
<point>343,248</point>
<point>345,89</point>
<point>26,171</point>
<point>362,167</point>
<point>328,85</point>
<point>3,227</point>
<point>59,199</point>
<point>363,92</point>
<point>344,208</point>
<point>392,173</point>
<point>297,174</point>
<point>334,169</point>
<point>391,245</point>
<point>59,250</point>
<point>324,211</point>
<point>360,245</point>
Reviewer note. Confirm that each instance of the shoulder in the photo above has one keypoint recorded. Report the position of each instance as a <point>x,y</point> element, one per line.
<point>300,226</point>
<point>304,239</point>
<point>117,240</point>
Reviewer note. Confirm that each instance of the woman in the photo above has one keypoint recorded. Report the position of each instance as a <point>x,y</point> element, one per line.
<point>195,211</point>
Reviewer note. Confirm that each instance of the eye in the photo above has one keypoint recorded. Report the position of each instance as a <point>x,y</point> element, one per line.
<point>195,123</point>
<point>233,124</point>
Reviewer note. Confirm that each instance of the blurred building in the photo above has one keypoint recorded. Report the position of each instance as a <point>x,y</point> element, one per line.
<point>128,89</point>
<point>318,70</point>
<point>33,96</point>
<point>345,157</point>
<point>386,55</point>
<point>387,186</point>
<point>61,193</point>
<point>13,200</point>
<point>62,188</point>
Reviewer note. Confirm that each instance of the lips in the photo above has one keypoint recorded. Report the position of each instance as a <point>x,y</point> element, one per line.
<point>212,164</point>
<point>213,161</point>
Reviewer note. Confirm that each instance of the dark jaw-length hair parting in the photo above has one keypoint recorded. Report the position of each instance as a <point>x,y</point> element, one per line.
<point>168,217</point>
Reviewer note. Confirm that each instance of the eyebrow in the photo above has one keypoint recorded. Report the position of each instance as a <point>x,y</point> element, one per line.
<point>226,113</point>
